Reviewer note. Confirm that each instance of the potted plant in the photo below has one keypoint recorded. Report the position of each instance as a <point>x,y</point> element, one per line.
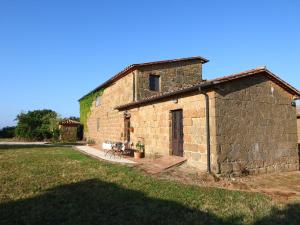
<point>139,152</point>
<point>91,142</point>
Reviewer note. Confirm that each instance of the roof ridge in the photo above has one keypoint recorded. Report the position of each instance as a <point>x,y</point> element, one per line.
<point>171,60</point>
<point>254,70</point>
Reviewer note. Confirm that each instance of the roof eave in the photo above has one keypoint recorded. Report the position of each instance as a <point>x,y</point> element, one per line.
<point>292,89</point>
<point>164,96</point>
<point>271,75</point>
<point>111,80</point>
<point>217,81</point>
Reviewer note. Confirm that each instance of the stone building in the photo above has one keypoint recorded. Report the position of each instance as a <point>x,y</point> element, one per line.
<point>298,123</point>
<point>242,123</point>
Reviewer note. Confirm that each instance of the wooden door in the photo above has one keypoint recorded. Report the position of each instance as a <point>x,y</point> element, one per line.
<point>127,129</point>
<point>177,133</point>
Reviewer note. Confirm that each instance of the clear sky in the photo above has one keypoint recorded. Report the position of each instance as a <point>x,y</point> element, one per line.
<point>53,52</point>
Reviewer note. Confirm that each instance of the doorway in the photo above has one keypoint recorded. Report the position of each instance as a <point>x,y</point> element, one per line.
<point>177,133</point>
<point>127,129</point>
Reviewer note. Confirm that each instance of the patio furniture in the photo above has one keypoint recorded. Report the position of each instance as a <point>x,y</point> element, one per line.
<point>114,149</point>
<point>106,146</point>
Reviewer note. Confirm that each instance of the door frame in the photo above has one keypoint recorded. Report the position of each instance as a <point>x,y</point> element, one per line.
<point>127,129</point>
<point>171,131</point>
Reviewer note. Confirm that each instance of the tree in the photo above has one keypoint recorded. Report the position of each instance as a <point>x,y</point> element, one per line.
<point>7,132</point>
<point>37,125</point>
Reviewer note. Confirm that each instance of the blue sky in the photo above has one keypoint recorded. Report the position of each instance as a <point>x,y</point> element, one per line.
<point>53,52</point>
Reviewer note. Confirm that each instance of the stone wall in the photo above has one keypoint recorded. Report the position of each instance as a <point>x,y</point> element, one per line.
<point>68,133</point>
<point>134,86</point>
<point>172,76</point>
<point>253,125</point>
<point>153,123</point>
<point>111,122</point>
<point>298,126</point>
<point>256,127</point>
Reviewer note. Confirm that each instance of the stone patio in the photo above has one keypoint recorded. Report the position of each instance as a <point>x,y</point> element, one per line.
<point>149,165</point>
<point>158,165</point>
<point>99,154</point>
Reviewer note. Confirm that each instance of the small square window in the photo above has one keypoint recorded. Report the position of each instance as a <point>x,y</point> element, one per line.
<point>98,124</point>
<point>98,101</point>
<point>154,82</point>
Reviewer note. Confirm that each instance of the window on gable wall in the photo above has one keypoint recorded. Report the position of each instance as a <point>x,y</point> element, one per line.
<point>98,101</point>
<point>154,82</point>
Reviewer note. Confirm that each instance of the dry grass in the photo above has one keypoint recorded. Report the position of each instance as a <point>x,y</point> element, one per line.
<point>281,187</point>
<point>56,185</point>
<point>6,139</point>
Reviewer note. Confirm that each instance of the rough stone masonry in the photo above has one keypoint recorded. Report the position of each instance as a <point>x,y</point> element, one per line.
<point>253,125</point>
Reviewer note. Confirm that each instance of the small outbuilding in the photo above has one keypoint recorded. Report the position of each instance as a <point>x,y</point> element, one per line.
<point>68,130</point>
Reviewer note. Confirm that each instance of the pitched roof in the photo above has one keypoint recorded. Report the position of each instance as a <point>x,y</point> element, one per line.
<point>133,67</point>
<point>267,73</point>
<point>69,122</point>
<point>211,83</point>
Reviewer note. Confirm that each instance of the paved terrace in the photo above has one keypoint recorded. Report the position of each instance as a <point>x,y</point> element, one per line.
<point>149,165</point>
<point>96,153</point>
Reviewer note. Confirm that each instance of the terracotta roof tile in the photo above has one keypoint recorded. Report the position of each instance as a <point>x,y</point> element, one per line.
<point>69,122</point>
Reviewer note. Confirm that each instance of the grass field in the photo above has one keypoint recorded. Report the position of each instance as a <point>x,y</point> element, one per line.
<point>6,139</point>
<point>55,185</point>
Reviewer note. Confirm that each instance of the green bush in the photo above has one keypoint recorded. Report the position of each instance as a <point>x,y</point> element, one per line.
<point>37,125</point>
<point>7,132</point>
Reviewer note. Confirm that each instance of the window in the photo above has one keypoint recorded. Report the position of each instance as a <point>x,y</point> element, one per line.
<point>154,83</point>
<point>98,124</point>
<point>98,101</point>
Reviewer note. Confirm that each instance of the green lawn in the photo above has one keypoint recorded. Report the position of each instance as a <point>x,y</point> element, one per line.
<point>61,186</point>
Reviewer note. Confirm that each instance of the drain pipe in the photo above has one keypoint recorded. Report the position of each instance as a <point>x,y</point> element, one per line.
<point>207,129</point>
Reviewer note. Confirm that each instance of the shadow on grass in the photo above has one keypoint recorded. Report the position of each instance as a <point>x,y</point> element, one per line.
<point>290,215</point>
<point>97,202</point>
